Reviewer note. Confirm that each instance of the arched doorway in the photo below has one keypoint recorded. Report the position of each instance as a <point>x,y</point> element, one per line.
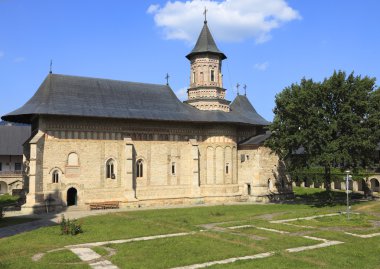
<point>72,196</point>
<point>375,185</point>
<point>3,187</point>
<point>362,185</point>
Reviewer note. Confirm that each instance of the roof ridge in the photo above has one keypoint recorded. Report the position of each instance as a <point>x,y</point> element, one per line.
<point>108,79</point>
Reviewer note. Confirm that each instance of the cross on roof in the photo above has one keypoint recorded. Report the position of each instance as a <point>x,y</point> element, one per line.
<point>205,13</point>
<point>245,89</point>
<point>167,78</point>
<point>51,67</point>
<point>237,88</point>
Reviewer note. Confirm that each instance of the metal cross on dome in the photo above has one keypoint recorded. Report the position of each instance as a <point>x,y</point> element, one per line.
<point>205,13</point>
<point>245,89</point>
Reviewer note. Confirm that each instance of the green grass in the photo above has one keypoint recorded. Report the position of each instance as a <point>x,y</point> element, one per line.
<point>101,251</point>
<point>16,251</point>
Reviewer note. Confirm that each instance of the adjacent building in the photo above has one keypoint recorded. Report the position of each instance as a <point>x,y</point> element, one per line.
<point>12,137</point>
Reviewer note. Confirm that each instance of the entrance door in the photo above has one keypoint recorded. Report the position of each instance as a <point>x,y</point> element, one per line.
<point>71,196</point>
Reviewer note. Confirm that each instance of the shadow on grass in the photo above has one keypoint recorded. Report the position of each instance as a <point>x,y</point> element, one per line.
<point>323,198</point>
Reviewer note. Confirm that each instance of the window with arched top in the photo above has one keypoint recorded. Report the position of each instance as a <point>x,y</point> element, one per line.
<point>212,76</point>
<point>73,159</point>
<point>139,168</point>
<point>110,169</point>
<point>55,176</point>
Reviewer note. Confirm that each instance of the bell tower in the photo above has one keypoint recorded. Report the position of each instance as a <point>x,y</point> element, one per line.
<point>206,90</point>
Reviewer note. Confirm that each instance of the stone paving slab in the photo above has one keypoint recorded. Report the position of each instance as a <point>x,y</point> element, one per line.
<point>257,227</point>
<point>86,254</point>
<point>122,241</point>
<point>363,235</point>
<point>230,260</point>
<point>103,265</point>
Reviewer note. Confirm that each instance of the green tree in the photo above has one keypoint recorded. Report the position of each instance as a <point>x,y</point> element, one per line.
<point>327,123</point>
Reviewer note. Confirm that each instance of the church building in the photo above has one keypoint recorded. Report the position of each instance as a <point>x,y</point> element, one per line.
<point>96,140</point>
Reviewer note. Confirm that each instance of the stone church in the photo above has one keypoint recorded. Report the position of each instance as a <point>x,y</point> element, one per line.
<point>95,140</point>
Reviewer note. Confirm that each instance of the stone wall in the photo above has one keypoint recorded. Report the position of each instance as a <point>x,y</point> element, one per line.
<point>261,173</point>
<point>180,163</point>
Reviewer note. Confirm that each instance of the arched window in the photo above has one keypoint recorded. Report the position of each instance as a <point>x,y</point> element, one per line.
<point>110,171</point>
<point>139,168</point>
<point>73,159</point>
<point>55,176</point>
<point>227,168</point>
<point>212,75</point>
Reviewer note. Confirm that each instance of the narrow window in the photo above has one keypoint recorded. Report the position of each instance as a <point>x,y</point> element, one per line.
<point>55,177</point>
<point>110,169</point>
<point>227,168</point>
<point>193,77</point>
<point>17,166</point>
<point>212,75</point>
<point>201,77</point>
<point>173,168</point>
<point>139,168</point>
<point>1,167</point>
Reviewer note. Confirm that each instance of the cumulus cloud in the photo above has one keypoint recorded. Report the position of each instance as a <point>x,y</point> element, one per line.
<point>229,20</point>
<point>261,66</point>
<point>182,93</point>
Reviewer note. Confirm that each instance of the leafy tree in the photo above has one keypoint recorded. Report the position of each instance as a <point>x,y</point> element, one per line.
<point>328,123</point>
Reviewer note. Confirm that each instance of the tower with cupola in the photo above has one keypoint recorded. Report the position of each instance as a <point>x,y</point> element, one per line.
<point>206,90</point>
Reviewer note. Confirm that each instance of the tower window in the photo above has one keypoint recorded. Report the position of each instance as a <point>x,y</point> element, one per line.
<point>55,177</point>
<point>139,168</point>
<point>227,168</point>
<point>212,75</point>
<point>193,77</point>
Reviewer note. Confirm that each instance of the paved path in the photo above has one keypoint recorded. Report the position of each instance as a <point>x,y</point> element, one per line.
<point>93,259</point>
<point>24,227</point>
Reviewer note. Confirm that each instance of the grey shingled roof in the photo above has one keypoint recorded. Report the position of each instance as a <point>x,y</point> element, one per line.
<point>12,137</point>
<point>242,107</point>
<point>94,97</point>
<point>256,140</point>
<point>205,43</point>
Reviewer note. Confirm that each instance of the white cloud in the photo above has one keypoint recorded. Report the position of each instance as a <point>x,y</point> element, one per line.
<point>182,93</point>
<point>261,66</point>
<point>229,20</point>
<point>19,60</point>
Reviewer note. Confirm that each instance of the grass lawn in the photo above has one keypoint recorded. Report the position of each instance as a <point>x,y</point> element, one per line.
<point>214,243</point>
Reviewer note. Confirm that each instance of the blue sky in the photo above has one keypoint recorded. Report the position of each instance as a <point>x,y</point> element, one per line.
<point>269,43</point>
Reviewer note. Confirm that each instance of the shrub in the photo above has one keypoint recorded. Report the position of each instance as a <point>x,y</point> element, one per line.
<point>71,227</point>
